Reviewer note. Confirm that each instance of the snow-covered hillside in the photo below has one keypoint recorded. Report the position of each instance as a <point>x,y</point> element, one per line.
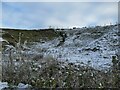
<point>93,45</point>
<point>85,46</point>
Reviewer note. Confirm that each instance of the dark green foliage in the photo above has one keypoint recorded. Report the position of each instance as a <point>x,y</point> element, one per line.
<point>63,36</point>
<point>12,35</point>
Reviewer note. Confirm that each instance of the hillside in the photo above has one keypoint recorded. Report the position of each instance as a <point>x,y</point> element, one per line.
<point>94,45</point>
<point>12,35</point>
<point>80,57</point>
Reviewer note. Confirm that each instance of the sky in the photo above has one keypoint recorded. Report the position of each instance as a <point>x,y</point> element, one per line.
<point>31,15</point>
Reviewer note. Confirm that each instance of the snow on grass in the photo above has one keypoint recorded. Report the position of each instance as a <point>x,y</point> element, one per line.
<point>3,85</point>
<point>75,49</point>
<point>21,85</point>
<point>1,39</point>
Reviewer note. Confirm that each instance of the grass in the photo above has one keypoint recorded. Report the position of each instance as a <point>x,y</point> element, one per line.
<point>51,73</point>
<point>12,35</point>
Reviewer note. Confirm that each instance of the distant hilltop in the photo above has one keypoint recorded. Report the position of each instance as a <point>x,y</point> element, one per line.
<point>52,28</point>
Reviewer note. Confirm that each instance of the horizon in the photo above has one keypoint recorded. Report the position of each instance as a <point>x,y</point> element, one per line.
<point>58,27</point>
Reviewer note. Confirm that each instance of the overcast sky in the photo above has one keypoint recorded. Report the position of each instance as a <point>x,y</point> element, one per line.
<point>58,14</point>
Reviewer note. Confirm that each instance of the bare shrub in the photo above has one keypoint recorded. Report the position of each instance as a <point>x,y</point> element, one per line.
<point>49,72</point>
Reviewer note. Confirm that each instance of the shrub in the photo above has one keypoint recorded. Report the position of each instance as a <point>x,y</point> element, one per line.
<point>49,72</point>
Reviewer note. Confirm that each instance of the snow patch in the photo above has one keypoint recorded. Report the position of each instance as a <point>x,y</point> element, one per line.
<point>3,85</point>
